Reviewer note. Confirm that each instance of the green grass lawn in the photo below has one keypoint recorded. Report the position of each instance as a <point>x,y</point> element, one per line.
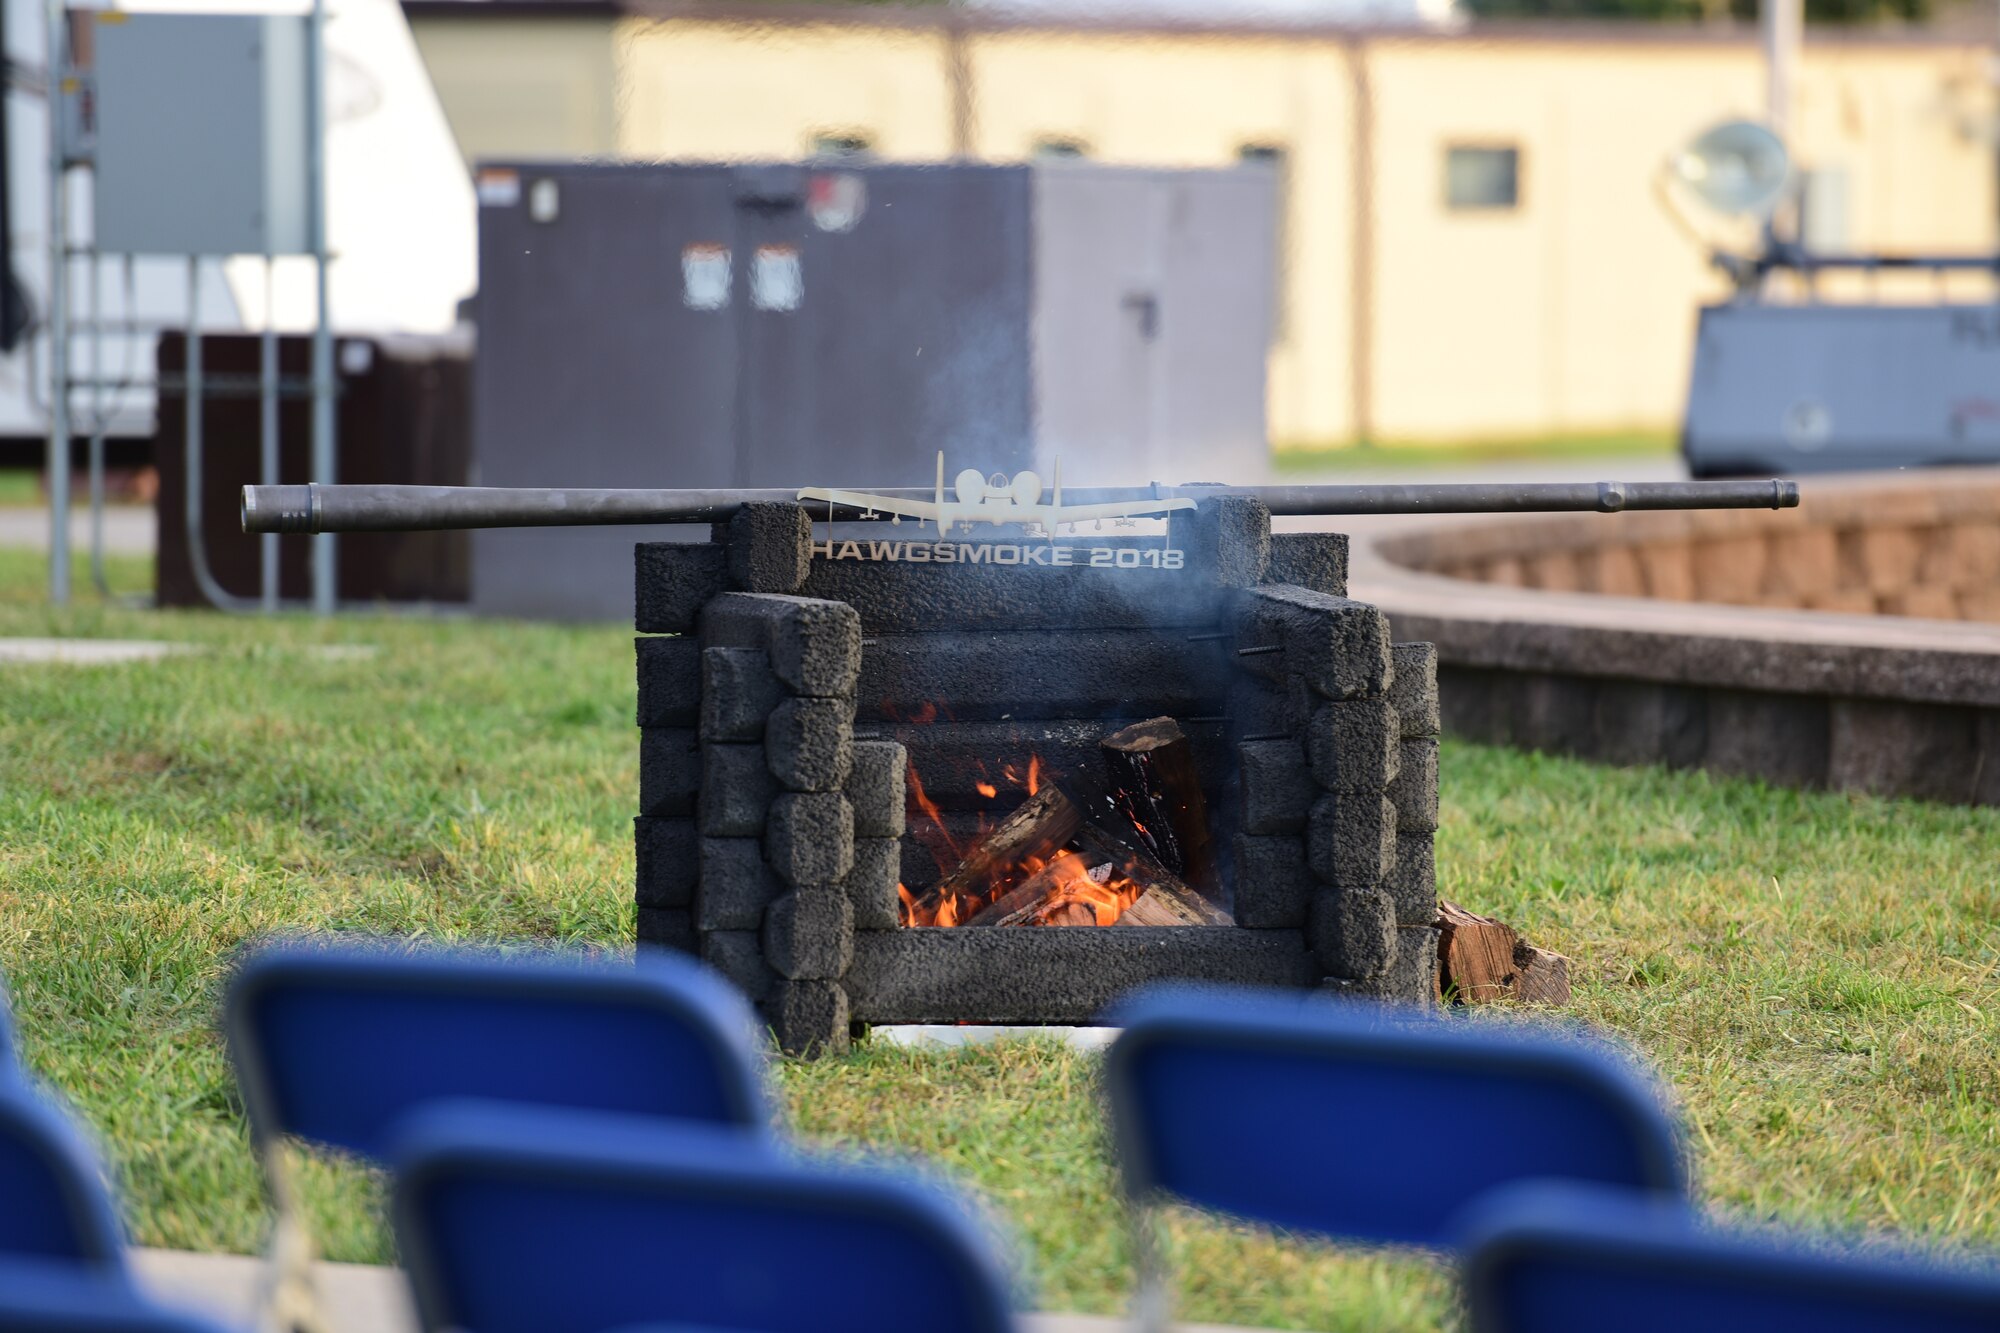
<point>19,486</point>
<point>1817,975</point>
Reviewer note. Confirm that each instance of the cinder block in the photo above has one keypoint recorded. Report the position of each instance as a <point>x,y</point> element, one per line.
<point>1729,569</point>
<point>1339,648</point>
<point>738,692</point>
<point>1414,792</point>
<point>810,838</point>
<point>1413,690</point>
<point>1227,539</point>
<point>871,885</point>
<point>1352,745</point>
<point>1927,603</point>
<point>664,850</point>
<point>739,956</point>
<point>1261,708</point>
<point>1273,883</point>
<point>1891,747</point>
<point>1412,885</point>
<point>1613,571</point>
<point>1669,570</point>
<point>1316,561</point>
<point>815,646</point>
<point>1640,722</point>
<point>809,935</point>
<point>770,547</point>
<point>876,788</point>
<point>809,743</point>
<point>809,1018</point>
<point>736,791</point>
<point>1277,787</point>
<point>1352,932</point>
<point>669,680</point>
<point>666,928</point>
<point>669,771</point>
<point>1802,563</point>
<point>736,886</point>
<point>1351,838</point>
<point>1552,571</point>
<point>1781,738</point>
<point>1882,560</point>
<point>1412,974</point>
<point>672,581</point>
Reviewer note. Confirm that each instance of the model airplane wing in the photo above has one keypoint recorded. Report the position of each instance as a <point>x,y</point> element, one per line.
<point>1122,509</point>
<point>880,503</point>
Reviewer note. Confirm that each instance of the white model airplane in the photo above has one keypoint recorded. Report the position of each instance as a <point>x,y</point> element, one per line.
<point>993,499</point>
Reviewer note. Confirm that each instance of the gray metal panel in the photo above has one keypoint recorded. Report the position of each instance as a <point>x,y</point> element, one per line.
<point>1830,387</point>
<point>1153,315</point>
<point>214,98</point>
<point>919,318</point>
<point>593,370</point>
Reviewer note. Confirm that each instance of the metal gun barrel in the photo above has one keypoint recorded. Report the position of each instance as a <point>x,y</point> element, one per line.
<point>317,508</point>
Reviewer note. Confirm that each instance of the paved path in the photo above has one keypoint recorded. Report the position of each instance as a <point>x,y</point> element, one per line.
<point>358,1298</point>
<point>128,529</point>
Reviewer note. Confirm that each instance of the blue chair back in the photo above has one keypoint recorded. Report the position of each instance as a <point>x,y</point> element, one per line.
<point>517,1220</point>
<point>53,1204</point>
<point>333,1043</point>
<point>1364,1123</point>
<point>1550,1258</point>
<point>47,1297</point>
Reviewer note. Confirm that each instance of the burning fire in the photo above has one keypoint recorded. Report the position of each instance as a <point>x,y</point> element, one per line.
<point>1072,892</point>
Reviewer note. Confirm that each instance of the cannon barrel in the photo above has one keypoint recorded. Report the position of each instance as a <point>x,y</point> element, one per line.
<point>437,508</point>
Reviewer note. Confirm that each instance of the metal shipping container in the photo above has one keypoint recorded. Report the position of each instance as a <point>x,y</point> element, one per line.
<point>838,324</point>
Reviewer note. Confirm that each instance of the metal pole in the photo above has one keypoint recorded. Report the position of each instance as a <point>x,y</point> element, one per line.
<point>58,248</point>
<point>324,588</point>
<point>1783,30</point>
<point>267,411</point>
<point>98,421</point>
<point>388,508</point>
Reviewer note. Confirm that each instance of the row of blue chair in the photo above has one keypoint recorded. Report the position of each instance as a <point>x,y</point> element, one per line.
<point>588,1147</point>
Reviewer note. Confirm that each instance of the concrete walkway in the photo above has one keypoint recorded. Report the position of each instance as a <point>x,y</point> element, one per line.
<point>128,529</point>
<point>358,1298</point>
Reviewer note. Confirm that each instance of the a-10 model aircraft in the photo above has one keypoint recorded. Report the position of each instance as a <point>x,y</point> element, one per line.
<point>993,500</point>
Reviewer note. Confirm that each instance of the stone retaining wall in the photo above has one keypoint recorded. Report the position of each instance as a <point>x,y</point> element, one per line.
<point>1852,643</point>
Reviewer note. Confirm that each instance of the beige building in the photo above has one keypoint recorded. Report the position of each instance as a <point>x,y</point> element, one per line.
<point>1475,243</point>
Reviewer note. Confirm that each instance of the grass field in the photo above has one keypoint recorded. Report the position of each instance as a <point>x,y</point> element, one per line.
<point>1818,976</point>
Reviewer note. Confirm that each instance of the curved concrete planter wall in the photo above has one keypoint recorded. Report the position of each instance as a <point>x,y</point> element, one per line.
<point>1852,643</point>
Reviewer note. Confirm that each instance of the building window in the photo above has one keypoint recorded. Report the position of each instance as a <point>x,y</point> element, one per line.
<point>1481,177</point>
<point>1060,146</point>
<point>842,145</point>
<point>1279,161</point>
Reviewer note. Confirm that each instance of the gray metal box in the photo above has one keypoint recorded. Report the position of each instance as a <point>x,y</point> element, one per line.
<point>699,326</point>
<point>1824,388</point>
<point>201,133</point>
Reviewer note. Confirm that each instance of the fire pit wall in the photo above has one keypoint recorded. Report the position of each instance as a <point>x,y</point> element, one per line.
<point>781,679</point>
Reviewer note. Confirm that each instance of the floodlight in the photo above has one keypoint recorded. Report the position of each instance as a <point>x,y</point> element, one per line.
<point>1738,167</point>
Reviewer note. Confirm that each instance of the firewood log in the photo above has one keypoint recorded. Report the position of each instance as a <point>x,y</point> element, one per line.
<point>1154,780</point>
<point>1481,960</point>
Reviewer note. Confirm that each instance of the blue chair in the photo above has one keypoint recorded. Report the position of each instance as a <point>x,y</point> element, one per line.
<point>1550,1258</point>
<point>48,1297</point>
<point>1357,1121</point>
<point>334,1043</point>
<point>515,1220</point>
<point>53,1204</point>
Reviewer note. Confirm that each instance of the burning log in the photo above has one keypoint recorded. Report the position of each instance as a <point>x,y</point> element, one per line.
<point>1481,960</point>
<point>1032,835</point>
<point>1154,781</point>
